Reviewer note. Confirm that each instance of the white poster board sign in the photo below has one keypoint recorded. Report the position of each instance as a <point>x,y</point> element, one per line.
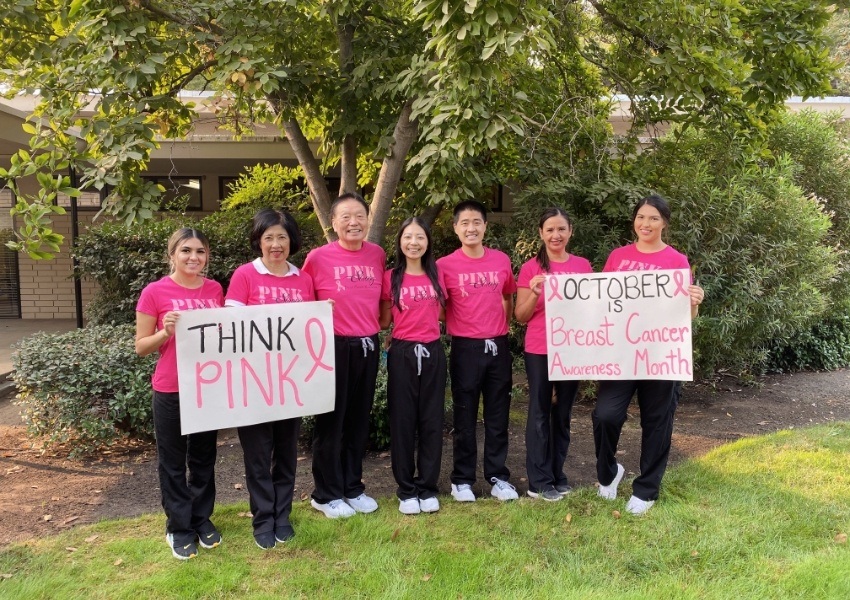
<point>252,364</point>
<point>623,325</point>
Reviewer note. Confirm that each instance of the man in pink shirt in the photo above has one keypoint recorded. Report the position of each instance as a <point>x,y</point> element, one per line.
<point>479,284</point>
<point>350,272</point>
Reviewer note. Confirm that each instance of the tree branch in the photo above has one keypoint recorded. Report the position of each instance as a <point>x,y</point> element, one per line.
<point>404,134</point>
<point>312,171</point>
<point>614,20</point>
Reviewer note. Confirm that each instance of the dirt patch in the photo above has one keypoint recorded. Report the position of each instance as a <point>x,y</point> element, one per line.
<point>43,492</point>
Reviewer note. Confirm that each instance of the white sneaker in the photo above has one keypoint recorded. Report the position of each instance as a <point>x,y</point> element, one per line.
<point>334,509</point>
<point>636,506</point>
<point>463,492</point>
<point>609,492</point>
<point>362,503</point>
<point>429,505</point>
<point>409,506</point>
<point>502,490</point>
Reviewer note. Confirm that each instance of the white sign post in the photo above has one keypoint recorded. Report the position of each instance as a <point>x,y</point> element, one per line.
<point>252,364</point>
<point>623,325</point>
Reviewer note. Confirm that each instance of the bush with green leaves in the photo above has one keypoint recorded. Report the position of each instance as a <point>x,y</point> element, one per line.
<point>122,259</point>
<point>824,347</point>
<point>758,244</point>
<point>87,386</point>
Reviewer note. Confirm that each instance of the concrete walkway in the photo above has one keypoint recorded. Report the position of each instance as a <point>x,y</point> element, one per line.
<point>14,330</point>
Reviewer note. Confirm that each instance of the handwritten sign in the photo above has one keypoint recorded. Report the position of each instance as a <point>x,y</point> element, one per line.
<point>624,325</point>
<point>252,364</point>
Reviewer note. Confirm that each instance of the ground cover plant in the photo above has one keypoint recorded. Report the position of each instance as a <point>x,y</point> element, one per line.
<point>763,517</point>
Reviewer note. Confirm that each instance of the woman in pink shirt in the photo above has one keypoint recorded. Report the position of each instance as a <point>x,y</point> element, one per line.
<point>657,399</point>
<point>270,449</point>
<point>188,503</point>
<point>547,430</point>
<point>413,300</point>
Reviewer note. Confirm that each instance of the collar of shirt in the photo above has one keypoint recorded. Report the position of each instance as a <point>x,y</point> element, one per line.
<point>262,270</point>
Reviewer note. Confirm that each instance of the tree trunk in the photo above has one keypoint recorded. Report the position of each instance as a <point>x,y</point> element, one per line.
<point>348,166</point>
<point>404,135</point>
<point>315,180</point>
<point>348,156</point>
<point>431,212</point>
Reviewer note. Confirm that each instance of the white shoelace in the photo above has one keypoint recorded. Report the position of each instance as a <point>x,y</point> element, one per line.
<point>502,485</point>
<point>490,346</point>
<point>420,351</point>
<point>368,345</point>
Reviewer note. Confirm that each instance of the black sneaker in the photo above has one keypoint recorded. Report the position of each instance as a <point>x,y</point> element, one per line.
<point>265,540</point>
<point>209,540</point>
<point>550,494</point>
<point>284,533</point>
<point>180,551</point>
<point>563,489</point>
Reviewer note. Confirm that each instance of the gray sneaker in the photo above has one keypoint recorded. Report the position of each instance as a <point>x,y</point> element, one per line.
<point>563,489</point>
<point>549,493</point>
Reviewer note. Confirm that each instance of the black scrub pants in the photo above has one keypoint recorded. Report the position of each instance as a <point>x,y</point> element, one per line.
<point>270,451</point>
<point>416,387</point>
<point>480,368</point>
<point>187,498</point>
<point>340,436</point>
<point>547,431</point>
<point>657,401</point>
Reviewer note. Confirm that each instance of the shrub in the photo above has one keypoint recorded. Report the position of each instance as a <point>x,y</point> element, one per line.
<point>824,347</point>
<point>87,387</point>
<point>122,260</point>
<point>759,245</point>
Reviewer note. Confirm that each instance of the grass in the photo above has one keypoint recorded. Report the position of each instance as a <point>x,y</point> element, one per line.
<point>757,518</point>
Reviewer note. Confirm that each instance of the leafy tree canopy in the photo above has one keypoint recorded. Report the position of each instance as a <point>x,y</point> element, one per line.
<point>426,89</point>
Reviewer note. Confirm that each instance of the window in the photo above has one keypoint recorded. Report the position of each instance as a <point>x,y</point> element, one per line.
<point>225,186</point>
<point>87,200</point>
<point>180,187</point>
<point>7,198</point>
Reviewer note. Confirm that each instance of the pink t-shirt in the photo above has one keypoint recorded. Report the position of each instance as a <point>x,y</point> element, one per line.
<point>535,334</point>
<point>353,279</point>
<point>629,258</point>
<point>475,288</point>
<point>252,284</point>
<point>163,296</point>
<point>419,317</point>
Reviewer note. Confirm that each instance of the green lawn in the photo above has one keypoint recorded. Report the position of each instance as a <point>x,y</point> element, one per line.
<point>759,518</point>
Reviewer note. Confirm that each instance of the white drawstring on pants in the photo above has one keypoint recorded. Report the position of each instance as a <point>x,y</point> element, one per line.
<point>490,346</point>
<point>420,351</point>
<point>368,345</point>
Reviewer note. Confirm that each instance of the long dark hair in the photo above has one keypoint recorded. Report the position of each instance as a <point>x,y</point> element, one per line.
<point>429,264</point>
<point>542,255</point>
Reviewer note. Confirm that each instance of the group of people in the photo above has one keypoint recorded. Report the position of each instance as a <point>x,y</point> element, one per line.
<point>472,291</point>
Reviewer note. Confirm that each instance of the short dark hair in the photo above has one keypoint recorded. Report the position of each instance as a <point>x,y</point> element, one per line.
<point>268,217</point>
<point>349,196</point>
<point>658,203</point>
<point>469,205</point>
